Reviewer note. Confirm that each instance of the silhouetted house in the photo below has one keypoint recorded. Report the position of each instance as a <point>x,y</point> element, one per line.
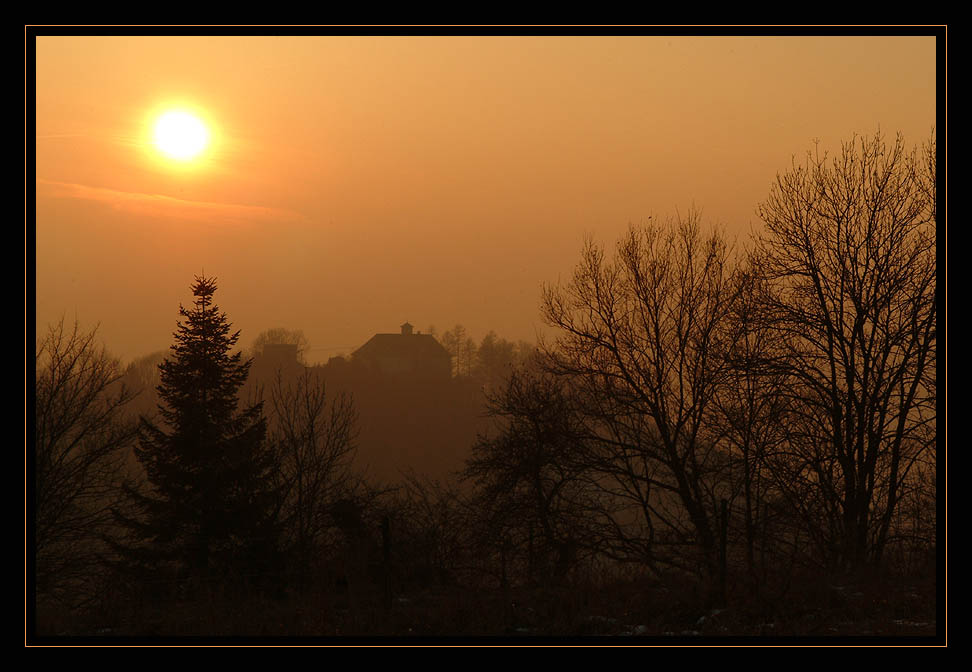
<point>282,355</point>
<point>405,354</point>
<point>276,358</point>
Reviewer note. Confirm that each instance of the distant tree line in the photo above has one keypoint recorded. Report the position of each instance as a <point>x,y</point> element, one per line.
<point>490,362</point>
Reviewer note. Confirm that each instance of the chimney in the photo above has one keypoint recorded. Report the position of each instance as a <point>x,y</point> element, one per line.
<point>406,329</point>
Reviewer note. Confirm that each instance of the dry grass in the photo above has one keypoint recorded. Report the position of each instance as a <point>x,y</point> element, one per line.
<point>810,607</point>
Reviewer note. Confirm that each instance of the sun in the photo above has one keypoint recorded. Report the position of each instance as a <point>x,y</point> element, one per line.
<point>180,135</point>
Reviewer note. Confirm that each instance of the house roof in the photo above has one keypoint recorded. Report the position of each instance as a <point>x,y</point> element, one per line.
<point>402,345</point>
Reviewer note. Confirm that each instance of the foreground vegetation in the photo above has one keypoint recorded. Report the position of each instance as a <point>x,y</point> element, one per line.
<point>663,609</point>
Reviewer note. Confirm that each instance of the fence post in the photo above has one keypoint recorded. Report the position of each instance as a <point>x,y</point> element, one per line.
<point>386,559</point>
<point>723,541</point>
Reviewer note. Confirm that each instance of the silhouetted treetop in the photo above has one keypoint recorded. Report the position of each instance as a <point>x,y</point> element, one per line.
<point>210,503</point>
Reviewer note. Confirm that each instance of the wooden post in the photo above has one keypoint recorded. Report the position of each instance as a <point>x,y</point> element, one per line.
<point>386,559</point>
<point>530,567</point>
<point>723,541</point>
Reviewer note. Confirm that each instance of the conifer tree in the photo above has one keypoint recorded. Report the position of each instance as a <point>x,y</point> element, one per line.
<point>210,509</point>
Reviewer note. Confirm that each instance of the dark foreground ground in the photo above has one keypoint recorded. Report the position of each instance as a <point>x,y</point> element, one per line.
<point>622,612</point>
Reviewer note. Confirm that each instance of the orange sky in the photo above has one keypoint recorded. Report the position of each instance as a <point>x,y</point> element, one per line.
<point>358,182</point>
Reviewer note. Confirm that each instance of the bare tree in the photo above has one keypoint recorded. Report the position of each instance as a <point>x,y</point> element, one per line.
<point>643,341</point>
<point>849,255</point>
<point>533,491</point>
<point>751,415</point>
<point>462,348</point>
<point>496,358</point>
<point>315,435</point>
<point>429,522</point>
<point>142,377</point>
<point>80,449</point>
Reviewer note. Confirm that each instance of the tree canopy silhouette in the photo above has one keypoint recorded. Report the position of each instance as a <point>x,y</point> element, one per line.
<point>210,509</point>
<point>849,257</point>
<point>80,441</point>
<point>642,340</point>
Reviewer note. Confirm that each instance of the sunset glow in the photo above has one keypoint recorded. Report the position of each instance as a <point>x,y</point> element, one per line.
<point>501,159</point>
<point>180,135</point>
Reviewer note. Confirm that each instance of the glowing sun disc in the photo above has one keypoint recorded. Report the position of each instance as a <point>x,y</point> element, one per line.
<point>180,135</point>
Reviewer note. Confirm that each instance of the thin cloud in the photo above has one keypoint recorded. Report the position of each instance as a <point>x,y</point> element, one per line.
<point>167,207</point>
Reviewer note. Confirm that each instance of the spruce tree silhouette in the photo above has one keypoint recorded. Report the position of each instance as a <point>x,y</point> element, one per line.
<point>209,513</point>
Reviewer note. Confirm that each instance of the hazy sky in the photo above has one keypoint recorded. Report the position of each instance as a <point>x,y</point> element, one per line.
<point>354,183</point>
